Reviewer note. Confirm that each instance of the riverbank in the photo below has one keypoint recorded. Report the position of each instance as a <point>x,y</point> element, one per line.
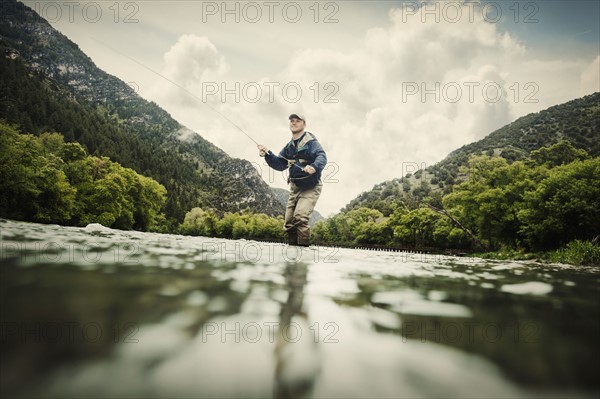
<point>576,253</point>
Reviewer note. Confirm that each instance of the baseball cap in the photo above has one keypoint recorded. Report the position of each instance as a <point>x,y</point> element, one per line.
<point>298,116</point>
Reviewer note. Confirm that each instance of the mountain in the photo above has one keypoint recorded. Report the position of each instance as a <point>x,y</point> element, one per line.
<point>282,196</point>
<point>577,121</point>
<point>49,84</point>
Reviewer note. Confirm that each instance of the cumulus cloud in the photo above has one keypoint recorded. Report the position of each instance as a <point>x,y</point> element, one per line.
<point>189,62</point>
<point>409,94</point>
<point>590,78</point>
<point>192,59</point>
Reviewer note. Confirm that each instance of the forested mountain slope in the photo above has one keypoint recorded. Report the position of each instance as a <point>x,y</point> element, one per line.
<point>576,121</point>
<point>48,84</point>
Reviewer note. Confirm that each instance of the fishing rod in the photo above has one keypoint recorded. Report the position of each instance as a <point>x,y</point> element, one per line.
<point>262,152</point>
<point>176,84</point>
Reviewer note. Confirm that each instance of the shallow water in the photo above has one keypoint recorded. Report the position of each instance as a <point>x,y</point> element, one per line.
<point>108,313</point>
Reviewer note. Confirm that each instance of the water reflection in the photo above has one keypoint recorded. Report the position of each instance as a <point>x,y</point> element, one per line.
<point>295,353</point>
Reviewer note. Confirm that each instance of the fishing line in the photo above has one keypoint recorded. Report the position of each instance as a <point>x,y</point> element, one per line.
<point>176,84</point>
<point>191,94</point>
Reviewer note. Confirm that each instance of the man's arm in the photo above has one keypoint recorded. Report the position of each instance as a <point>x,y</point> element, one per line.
<point>320,157</point>
<point>274,161</point>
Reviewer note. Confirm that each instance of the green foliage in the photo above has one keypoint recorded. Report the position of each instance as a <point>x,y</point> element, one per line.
<point>561,153</point>
<point>33,185</point>
<point>537,204</point>
<point>199,222</point>
<point>533,204</point>
<point>578,252</point>
<point>490,200</point>
<point>47,180</point>
<point>562,207</point>
<point>422,190</point>
<point>232,225</point>
<point>424,227</point>
<point>405,227</point>
<point>415,228</point>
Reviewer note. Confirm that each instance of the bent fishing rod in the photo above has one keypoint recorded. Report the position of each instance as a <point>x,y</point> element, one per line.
<point>177,85</point>
<point>262,152</point>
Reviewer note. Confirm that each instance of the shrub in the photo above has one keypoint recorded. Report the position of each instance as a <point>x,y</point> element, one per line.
<point>578,253</point>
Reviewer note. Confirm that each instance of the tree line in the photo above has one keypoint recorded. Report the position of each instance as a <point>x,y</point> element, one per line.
<point>540,203</point>
<point>245,224</point>
<point>45,179</point>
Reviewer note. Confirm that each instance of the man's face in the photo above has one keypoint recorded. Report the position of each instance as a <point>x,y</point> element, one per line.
<point>297,125</point>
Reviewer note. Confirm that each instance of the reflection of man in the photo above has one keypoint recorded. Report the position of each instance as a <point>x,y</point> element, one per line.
<point>305,159</point>
<point>297,359</point>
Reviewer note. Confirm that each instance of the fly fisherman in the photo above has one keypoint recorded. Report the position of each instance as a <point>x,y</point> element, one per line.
<point>305,159</point>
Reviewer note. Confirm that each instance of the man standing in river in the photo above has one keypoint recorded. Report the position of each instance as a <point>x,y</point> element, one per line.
<point>305,159</point>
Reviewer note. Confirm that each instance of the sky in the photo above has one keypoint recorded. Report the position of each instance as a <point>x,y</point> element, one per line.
<point>387,87</point>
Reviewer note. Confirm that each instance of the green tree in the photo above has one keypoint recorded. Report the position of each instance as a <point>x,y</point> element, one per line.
<point>18,161</point>
<point>200,222</point>
<point>224,226</point>
<point>33,185</point>
<point>558,154</point>
<point>415,227</point>
<point>564,206</point>
<point>107,202</point>
<point>55,202</point>
<point>488,203</point>
<point>373,233</point>
<point>239,228</point>
<point>149,199</point>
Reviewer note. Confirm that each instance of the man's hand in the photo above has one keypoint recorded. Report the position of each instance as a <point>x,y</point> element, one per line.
<point>309,169</point>
<point>262,150</point>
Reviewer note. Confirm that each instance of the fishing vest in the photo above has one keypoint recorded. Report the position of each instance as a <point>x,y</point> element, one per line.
<point>299,155</point>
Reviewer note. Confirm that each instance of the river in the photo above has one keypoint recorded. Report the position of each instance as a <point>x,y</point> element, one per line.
<point>96,312</point>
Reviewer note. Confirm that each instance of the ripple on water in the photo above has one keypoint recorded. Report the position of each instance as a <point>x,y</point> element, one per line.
<point>410,302</point>
<point>528,288</point>
<point>197,298</point>
<point>429,308</point>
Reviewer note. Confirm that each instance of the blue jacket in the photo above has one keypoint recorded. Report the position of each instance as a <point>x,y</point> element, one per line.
<point>307,152</point>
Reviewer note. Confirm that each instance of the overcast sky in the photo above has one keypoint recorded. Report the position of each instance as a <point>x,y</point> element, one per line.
<point>386,86</point>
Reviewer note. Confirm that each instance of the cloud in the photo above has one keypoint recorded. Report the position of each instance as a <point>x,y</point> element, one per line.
<point>590,78</point>
<point>409,94</point>
<point>191,61</point>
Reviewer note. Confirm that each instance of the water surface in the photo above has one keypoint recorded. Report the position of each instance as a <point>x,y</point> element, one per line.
<point>107,313</point>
